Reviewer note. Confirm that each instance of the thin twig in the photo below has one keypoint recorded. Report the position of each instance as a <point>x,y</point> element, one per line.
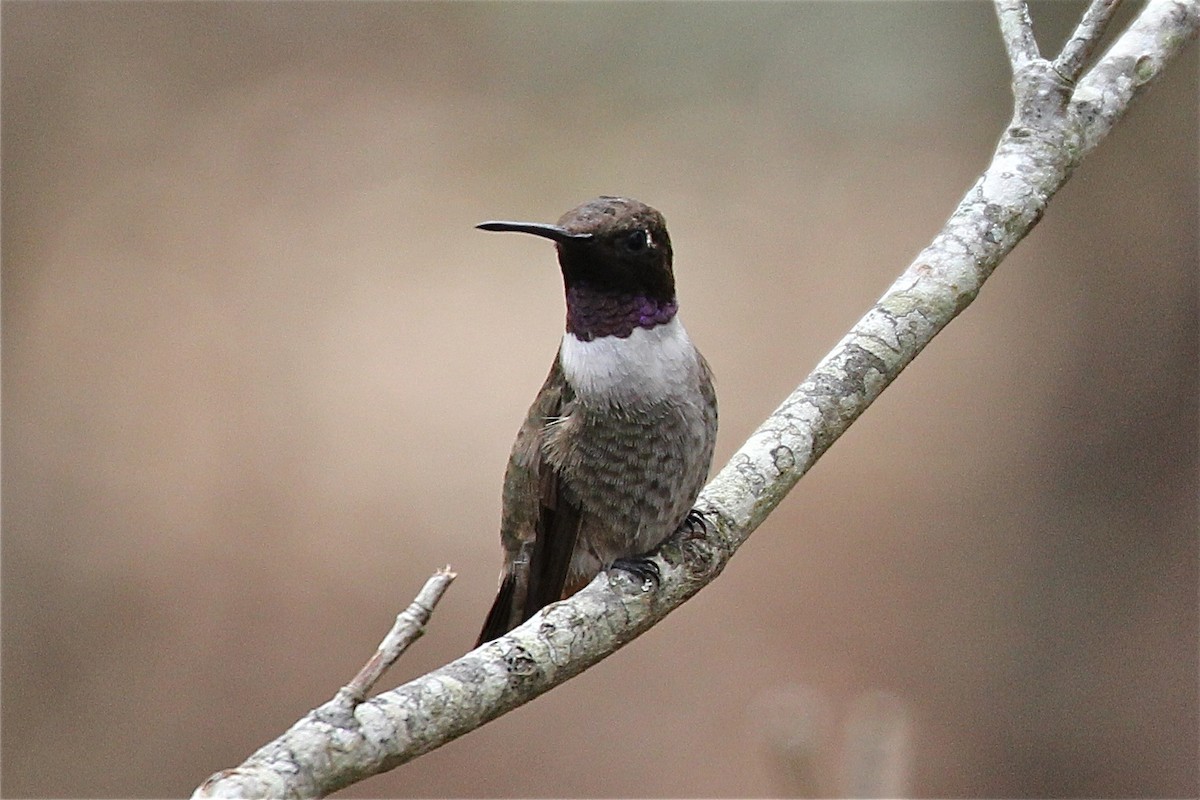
<point>1017,31</point>
<point>409,626</point>
<point>1079,48</point>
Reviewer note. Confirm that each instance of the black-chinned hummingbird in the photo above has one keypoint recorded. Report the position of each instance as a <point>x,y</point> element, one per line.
<point>619,440</point>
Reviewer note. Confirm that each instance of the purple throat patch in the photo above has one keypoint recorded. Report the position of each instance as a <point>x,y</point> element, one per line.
<point>591,314</point>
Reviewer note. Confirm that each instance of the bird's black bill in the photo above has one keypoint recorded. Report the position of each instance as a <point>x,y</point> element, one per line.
<point>553,232</point>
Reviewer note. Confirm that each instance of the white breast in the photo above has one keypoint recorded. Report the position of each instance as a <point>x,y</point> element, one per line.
<point>650,364</point>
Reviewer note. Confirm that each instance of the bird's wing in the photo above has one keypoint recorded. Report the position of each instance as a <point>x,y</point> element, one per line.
<point>540,521</point>
<point>557,530</point>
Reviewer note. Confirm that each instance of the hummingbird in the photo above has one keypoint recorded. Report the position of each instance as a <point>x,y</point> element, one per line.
<point>619,441</point>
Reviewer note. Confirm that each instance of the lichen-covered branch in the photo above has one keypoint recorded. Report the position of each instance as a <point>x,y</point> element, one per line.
<point>1129,67</point>
<point>1016,29</point>
<point>409,626</point>
<point>1083,41</point>
<point>1055,123</point>
<point>298,763</point>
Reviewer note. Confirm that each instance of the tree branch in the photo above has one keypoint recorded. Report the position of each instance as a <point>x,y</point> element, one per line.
<point>1050,132</point>
<point>409,626</point>
<point>1133,62</point>
<point>1083,41</point>
<point>1016,29</point>
<point>295,764</point>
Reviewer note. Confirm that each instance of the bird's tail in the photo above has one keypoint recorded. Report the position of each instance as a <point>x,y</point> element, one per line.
<point>505,615</point>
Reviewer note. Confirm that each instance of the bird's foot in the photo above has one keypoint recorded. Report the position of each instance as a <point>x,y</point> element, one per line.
<point>643,568</point>
<point>695,522</point>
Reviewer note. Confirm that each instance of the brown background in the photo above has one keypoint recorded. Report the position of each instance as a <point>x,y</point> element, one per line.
<point>260,377</point>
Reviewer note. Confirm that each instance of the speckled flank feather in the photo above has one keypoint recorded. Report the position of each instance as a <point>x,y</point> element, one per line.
<point>622,481</point>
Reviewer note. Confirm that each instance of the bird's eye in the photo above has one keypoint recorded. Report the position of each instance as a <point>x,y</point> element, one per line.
<point>637,241</point>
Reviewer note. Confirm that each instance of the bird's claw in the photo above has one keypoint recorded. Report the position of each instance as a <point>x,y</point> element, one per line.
<point>695,522</point>
<point>643,568</point>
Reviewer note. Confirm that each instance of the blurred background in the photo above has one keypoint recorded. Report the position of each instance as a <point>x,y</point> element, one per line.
<point>260,378</point>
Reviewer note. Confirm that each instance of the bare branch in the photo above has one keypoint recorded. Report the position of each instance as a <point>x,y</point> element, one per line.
<point>1051,129</point>
<point>1163,29</point>
<point>409,626</point>
<point>1017,31</point>
<point>298,763</point>
<point>1078,49</point>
